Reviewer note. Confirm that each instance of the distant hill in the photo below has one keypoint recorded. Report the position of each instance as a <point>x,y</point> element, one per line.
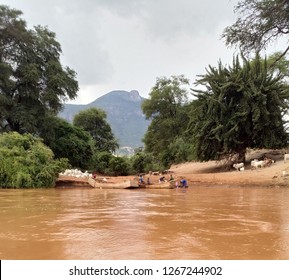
<point>124,115</point>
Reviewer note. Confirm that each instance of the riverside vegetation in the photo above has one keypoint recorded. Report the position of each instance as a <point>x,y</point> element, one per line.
<point>235,107</point>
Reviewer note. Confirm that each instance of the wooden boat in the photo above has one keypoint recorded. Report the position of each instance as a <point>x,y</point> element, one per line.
<point>125,184</point>
<point>71,182</point>
<point>162,185</point>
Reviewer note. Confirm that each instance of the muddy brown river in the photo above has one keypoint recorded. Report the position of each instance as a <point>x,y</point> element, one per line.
<point>195,223</point>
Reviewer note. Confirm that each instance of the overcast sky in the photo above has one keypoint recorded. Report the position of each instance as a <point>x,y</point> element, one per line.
<point>127,44</point>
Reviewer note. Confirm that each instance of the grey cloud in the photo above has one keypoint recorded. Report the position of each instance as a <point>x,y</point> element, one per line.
<point>171,19</point>
<point>76,24</point>
<point>116,43</point>
<point>168,20</point>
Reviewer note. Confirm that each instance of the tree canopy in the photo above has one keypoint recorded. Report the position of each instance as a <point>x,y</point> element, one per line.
<point>239,107</point>
<point>260,23</point>
<point>279,65</point>
<point>32,80</point>
<point>93,121</point>
<point>68,141</point>
<point>167,107</point>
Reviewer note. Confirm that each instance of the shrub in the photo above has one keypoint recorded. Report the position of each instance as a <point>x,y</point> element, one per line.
<point>25,162</point>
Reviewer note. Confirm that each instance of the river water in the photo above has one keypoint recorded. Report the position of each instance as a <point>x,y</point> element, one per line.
<point>195,223</point>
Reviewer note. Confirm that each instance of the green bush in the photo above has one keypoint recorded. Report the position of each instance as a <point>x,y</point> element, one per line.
<point>22,180</point>
<point>143,162</point>
<point>101,162</point>
<point>118,166</point>
<point>25,162</point>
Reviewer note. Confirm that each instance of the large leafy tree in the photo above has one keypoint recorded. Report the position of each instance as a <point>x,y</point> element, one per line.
<point>167,108</point>
<point>32,79</point>
<point>260,23</point>
<point>93,120</point>
<point>239,107</point>
<point>68,141</point>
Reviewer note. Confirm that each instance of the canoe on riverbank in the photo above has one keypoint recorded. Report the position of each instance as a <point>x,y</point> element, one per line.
<point>71,182</point>
<point>163,185</point>
<point>109,183</point>
<point>124,184</point>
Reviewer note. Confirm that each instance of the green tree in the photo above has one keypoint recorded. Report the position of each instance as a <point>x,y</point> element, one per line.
<point>101,162</point>
<point>144,162</point>
<point>167,109</point>
<point>68,141</point>
<point>279,65</point>
<point>138,162</point>
<point>93,121</point>
<point>182,149</point>
<point>260,23</point>
<point>118,166</point>
<point>26,162</point>
<point>32,79</point>
<point>240,107</point>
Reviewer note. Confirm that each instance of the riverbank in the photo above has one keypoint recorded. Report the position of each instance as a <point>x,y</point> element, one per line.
<point>212,173</point>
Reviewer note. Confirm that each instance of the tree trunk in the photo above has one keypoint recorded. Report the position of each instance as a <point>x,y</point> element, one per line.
<point>242,156</point>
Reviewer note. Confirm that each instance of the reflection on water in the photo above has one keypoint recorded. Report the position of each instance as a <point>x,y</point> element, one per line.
<point>196,223</point>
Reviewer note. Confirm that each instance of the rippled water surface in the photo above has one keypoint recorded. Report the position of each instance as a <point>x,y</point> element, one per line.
<point>196,223</point>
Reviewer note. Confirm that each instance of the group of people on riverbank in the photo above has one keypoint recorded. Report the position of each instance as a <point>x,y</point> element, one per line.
<point>181,183</point>
<point>178,183</point>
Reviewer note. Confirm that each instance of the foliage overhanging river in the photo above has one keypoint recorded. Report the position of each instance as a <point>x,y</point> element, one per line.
<point>195,223</point>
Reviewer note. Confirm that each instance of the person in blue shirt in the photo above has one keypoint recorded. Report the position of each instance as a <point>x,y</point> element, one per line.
<point>140,179</point>
<point>184,183</point>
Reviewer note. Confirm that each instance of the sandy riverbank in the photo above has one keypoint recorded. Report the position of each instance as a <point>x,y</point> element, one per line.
<point>211,173</point>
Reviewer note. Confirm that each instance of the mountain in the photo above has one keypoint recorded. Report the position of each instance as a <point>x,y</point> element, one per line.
<point>124,114</point>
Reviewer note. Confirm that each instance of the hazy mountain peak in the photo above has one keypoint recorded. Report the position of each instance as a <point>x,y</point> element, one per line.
<point>134,95</point>
<point>124,114</point>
